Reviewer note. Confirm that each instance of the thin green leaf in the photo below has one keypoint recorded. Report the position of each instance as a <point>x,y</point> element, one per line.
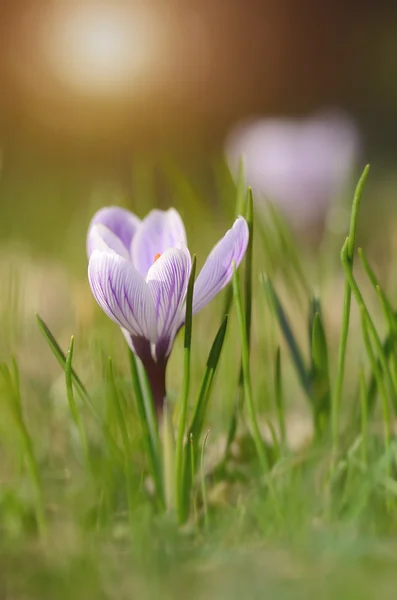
<point>320,376</point>
<point>201,405</point>
<point>337,393</point>
<point>259,443</point>
<point>179,451</point>
<point>121,421</point>
<point>12,396</point>
<point>289,337</point>
<point>72,403</point>
<point>364,418</point>
<point>366,328</point>
<point>61,358</point>
<point>280,410</point>
<point>347,267</point>
<point>206,383</point>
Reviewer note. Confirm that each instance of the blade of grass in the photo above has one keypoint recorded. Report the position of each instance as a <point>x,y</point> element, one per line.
<point>289,337</point>
<point>197,422</point>
<point>73,406</point>
<point>387,427</point>
<point>241,209</point>
<point>179,451</point>
<point>239,397</point>
<point>364,418</point>
<point>203,485</point>
<point>320,376</point>
<point>258,441</point>
<point>201,405</point>
<point>388,313</point>
<point>168,458</point>
<point>347,267</point>
<point>131,488</point>
<point>11,380</point>
<point>280,410</point>
<point>61,358</point>
<point>337,394</point>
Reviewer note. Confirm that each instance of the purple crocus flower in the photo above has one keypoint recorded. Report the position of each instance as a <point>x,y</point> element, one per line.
<point>139,272</point>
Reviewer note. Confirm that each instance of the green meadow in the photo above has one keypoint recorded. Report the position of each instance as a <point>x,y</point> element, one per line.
<point>272,473</point>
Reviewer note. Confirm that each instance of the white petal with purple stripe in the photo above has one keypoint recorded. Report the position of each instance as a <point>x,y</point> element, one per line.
<point>218,268</point>
<point>168,279</point>
<point>102,238</point>
<point>122,293</point>
<point>159,231</point>
<point>121,222</point>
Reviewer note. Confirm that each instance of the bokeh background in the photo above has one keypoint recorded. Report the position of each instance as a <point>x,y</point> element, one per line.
<point>134,103</point>
<point>150,103</point>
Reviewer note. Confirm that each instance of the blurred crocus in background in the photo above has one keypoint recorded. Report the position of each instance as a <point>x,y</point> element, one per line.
<point>301,165</point>
<point>139,273</point>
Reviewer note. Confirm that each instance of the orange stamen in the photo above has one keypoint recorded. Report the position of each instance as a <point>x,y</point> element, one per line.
<point>156,257</point>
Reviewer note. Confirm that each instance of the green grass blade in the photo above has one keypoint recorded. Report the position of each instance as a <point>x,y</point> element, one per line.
<point>61,357</point>
<point>203,483</point>
<point>387,428</point>
<point>289,337</point>
<point>179,451</point>
<point>258,441</point>
<point>248,262</point>
<point>168,447</point>
<point>13,398</point>
<point>364,418</point>
<point>387,308</point>
<point>372,389</point>
<point>246,210</point>
<point>127,451</point>
<point>72,403</point>
<point>278,389</point>
<point>197,423</point>
<point>337,393</point>
<point>347,267</point>
<point>248,265</point>
<point>320,376</point>
<point>388,313</point>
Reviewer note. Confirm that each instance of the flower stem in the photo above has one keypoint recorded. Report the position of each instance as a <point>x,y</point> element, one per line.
<point>336,398</point>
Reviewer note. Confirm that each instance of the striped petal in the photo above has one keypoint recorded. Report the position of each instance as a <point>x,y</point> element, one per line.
<point>122,293</point>
<point>120,221</point>
<point>102,238</point>
<point>218,268</point>
<point>168,279</point>
<point>159,231</point>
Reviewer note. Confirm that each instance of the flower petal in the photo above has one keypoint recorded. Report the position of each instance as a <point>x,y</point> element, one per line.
<point>218,268</point>
<point>168,280</point>
<point>120,221</point>
<point>159,231</point>
<point>102,238</point>
<point>122,293</point>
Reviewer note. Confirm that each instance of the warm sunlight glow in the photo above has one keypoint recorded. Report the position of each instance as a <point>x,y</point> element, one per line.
<point>100,47</point>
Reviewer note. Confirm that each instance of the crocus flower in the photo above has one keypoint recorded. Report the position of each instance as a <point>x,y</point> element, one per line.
<point>139,272</point>
<point>301,165</point>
